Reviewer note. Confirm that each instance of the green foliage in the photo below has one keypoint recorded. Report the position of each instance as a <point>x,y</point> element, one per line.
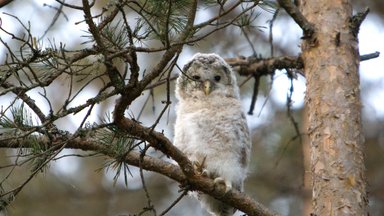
<point>119,144</point>
<point>164,19</point>
<point>20,120</point>
<point>21,126</point>
<point>116,34</point>
<point>40,155</point>
<point>269,6</point>
<point>247,20</point>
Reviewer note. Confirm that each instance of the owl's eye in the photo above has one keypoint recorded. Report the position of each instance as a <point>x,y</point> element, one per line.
<point>196,77</point>
<point>217,78</point>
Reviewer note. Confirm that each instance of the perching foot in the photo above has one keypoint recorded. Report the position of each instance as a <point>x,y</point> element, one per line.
<point>222,181</point>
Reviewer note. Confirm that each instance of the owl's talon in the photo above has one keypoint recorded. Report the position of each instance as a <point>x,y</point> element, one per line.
<point>199,167</point>
<point>205,173</point>
<point>221,181</point>
<point>196,165</point>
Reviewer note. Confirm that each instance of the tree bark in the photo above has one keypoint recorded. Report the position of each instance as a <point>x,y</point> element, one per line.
<point>307,186</point>
<point>331,61</point>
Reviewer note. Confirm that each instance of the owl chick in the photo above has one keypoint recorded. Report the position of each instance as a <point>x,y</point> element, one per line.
<point>210,127</point>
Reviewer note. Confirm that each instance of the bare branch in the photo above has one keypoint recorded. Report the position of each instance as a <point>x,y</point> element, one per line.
<point>369,56</point>
<point>4,2</point>
<point>299,18</point>
<point>254,94</point>
<point>270,30</point>
<point>59,10</point>
<point>69,5</point>
<point>255,66</point>
<point>221,15</point>
<point>356,20</point>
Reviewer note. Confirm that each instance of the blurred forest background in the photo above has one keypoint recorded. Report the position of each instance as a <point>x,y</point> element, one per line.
<point>76,182</point>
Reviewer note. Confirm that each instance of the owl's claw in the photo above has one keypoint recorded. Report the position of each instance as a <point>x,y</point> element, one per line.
<point>201,170</point>
<point>205,173</point>
<point>221,181</point>
<point>199,167</point>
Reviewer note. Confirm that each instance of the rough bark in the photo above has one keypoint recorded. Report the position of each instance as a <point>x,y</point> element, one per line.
<point>307,186</point>
<point>331,61</point>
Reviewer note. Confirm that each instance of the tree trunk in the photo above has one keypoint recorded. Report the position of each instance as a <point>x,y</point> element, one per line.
<point>307,187</point>
<point>331,61</point>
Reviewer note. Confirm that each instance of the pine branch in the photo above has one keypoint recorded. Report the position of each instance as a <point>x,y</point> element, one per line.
<point>132,91</point>
<point>29,101</point>
<point>112,71</point>
<point>193,182</point>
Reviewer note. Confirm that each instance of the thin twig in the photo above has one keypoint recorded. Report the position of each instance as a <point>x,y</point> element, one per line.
<point>168,99</point>
<point>69,5</point>
<point>369,56</point>
<point>249,41</point>
<point>149,201</point>
<point>28,100</point>
<point>185,192</point>
<point>59,11</point>
<point>254,95</point>
<point>270,30</point>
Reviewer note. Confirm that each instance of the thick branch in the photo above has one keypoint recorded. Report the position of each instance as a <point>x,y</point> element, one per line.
<point>4,2</point>
<point>296,15</point>
<point>194,182</point>
<point>258,67</point>
<point>158,141</point>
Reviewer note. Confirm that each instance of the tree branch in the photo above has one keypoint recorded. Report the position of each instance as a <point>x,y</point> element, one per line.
<point>252,66</point>
<point>112,71</point>
<point>4,2</point>
<point>356,20</point>
<point>258,67</point>
<point>160,142</point>
<point>299,18</point>
<point>369,56</point>
<point>193,182</point>
<point>26,99</point>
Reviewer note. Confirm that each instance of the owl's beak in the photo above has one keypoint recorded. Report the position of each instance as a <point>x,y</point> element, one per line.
<point>207,87</point>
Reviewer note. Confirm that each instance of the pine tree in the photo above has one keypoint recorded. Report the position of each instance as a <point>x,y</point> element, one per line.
<point>119,36</point>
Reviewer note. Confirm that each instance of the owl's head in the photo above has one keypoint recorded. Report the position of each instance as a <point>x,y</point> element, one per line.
<point>205,76</point>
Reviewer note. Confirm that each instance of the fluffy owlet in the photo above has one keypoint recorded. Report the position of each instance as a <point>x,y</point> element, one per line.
<point>211,127</point>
